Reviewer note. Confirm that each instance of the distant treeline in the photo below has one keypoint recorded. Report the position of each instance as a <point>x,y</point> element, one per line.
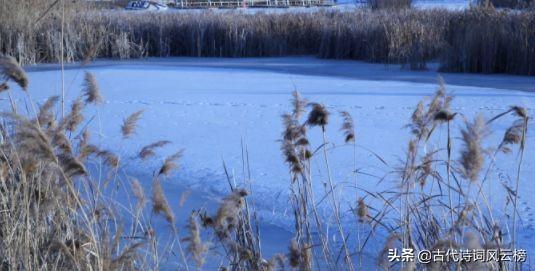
<point>481,40</point>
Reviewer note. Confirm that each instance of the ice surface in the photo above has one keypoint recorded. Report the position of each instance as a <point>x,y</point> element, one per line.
<point>340,5</point>
<point>213,107</point>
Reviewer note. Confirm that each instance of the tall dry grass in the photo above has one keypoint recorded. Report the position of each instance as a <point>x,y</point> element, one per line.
<point>481,40</point>
<point>58,215</point>
<point>515,4</point>
<point>54,214</point>
<point>439,201</point>
<point>58,212</point>
<point>499,46</point>
<point>389,4</point>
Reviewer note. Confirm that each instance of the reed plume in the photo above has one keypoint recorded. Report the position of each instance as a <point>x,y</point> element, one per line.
<point>513,135</point>
<point>362,211</point>
<point>291,157</point>
<point>183,198</point>
<point>444,115</point>
<point>88,149</point>
<point>170,163</point>
<point>196,248</point>
<point>472,155</point>
<point>293,131</point>
<point>520,111</point>
<point>45,116</point>
<point>160,205</point>
<point>71,166</point>
<point>418,120</point>
<point>75,116</point>
<point>109,157</point>
<point>294,254</point>
<point>91,89</point>
<point>424,116</point>
<point>31,140</point>
<point>517,135</point>
<point>226,218</point>
<point>130,123</point>
<point>425,169</point>
<point>348,127</point>
<point>298,104</point>
<point>318,116</point>
<point>440,100</point>
<point>11,70</point>
<point>299,256</point>
<point>61,142</point>
<point>139,194</point>
<point>148,151</point>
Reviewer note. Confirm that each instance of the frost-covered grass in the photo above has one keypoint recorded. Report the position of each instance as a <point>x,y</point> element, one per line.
<point>226,116</point>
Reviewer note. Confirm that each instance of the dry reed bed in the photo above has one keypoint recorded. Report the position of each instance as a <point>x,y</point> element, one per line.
<point>474,40</point>
<point>56,215</point>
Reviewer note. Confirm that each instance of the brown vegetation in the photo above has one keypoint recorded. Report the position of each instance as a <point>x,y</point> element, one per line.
<point>57,216</point>
<point>507,3</point>
<point>481,40</point>
<point>389,4</point>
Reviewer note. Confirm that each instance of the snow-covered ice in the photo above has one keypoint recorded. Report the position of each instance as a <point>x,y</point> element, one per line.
<point>213,107</point>
<point>339,5</point>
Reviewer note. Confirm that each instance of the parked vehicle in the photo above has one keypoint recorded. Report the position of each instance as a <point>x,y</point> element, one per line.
<point>145,5</point>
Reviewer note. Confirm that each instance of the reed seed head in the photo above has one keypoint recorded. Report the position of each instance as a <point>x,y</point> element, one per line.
<point>196,247</point>
<point>139,194</point>
<point>91,89</point>
<point>294,256</point>
<point>298,104</point>
<point>520,111</point>
<point>75,116</point>
<point>45,115</point>
<point>130,123</point>
<point>362,210</point>
<point>170,163</point>
<point>109,158</point>
<point>318,116</point>
<point>472,155</point>
<point>160,205</point>
<point>72,166</point>
<point>148,151</point>
<point>11,70</point>
<point>348,127</point>
<point>292,129</point>
<point>291,157</point>
<point>444,115</point>
<point>300,256</point>
<point>31,140</point>
<point>513,135</point>
<point>227,215</point>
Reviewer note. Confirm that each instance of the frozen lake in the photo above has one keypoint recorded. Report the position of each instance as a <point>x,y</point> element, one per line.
<point>213,107</point>
<point>340,5</point>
